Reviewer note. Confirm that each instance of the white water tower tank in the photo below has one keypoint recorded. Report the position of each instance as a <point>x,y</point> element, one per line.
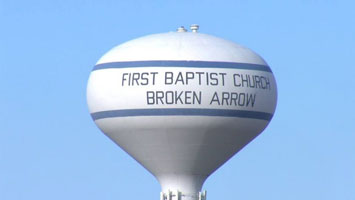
<point>181,104</point>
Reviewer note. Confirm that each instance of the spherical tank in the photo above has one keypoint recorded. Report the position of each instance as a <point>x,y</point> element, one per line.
<point>181,104</point>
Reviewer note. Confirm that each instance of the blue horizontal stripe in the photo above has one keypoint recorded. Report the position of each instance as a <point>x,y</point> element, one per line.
<point>182,63</point>
<point>181,112</point>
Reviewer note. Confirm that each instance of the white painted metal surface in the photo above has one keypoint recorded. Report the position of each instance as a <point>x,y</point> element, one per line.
<point>182,104</point>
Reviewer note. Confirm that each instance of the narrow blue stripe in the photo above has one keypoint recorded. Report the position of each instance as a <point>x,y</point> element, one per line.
<point>180,63</point>
<point>181,112</point>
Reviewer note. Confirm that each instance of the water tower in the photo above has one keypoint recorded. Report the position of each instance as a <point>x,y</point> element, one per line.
<point>181,104</point>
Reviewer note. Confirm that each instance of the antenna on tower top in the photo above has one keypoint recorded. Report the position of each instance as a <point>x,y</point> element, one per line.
<point>181,29</point>
<point>194,28</point>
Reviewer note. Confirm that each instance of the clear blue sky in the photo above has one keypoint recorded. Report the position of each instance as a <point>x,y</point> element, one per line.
<point>51,149</point>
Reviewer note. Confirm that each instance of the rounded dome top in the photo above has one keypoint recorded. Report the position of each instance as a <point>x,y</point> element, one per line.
<point>181,45</point>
